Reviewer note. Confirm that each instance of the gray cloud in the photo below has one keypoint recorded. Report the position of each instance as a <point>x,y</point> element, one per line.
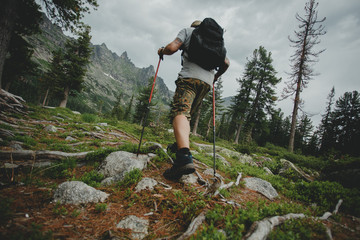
<point>141,27</point>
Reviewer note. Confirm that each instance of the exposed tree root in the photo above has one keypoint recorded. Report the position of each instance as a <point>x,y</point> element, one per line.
<point>194,225</point>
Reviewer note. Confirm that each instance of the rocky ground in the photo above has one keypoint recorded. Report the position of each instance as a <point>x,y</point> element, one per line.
<point>38,203</point>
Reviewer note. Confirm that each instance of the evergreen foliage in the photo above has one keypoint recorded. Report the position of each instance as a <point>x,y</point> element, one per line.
<point>22,17</point>
<point>143,106</point>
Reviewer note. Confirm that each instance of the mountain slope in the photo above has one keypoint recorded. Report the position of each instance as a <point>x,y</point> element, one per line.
<point>109,75</point>
<point>34,155</point>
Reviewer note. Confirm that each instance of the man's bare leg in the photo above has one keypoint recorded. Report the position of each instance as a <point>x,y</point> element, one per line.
<point>181,127</point>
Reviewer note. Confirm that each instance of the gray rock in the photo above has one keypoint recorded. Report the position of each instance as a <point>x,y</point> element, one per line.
<point>138,226</point>
<point>97,128</point>
<point>189,179</point>
<point>50,128</point>
<point>117,164</point>
<point>219,157</point>
<point>76,112</point>
<point>69,139</point>
<point>146,183</point>
<point>16,146</point>
<point>103,124</point>
<point>75,192</point>
<point>246,159</point>
<point>261,186</point>
<point>243,158</point>
<point>268,171</point>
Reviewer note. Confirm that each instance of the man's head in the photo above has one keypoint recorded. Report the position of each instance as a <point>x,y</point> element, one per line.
<point>196,23</point>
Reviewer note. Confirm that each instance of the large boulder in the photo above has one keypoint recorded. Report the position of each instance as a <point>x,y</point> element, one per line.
<point>118,164</point>
<point>261,186</point>
<point>75,192</point>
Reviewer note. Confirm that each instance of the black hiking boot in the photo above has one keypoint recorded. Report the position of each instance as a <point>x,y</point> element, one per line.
<point>183,165</point>
<point>172,148</point>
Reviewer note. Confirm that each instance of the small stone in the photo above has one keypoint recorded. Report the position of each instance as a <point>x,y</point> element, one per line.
<point>51,128</point>
<point>138,226</point>
<point>146,183</point>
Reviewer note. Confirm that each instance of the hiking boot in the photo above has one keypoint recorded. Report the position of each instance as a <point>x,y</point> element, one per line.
<point>172,148</point>
<point>183,165</point>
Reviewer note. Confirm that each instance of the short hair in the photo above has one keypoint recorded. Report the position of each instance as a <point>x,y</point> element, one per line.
<point>196,23</point>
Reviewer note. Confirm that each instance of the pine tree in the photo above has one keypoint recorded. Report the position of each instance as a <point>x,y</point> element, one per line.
<point>303,58</point>
<point>18,62</point>
<point>346,123</point>
<point>277,128</point>
<point>325,131</point>
<point>142,104</point>
<point>128,110</point>
<point>218,105</point>
<point>242,101</point>
<point>118,111</point>
<point>50,84</point>
<point>76,59</point>
<point>22,18</point>
<point>303,132</point>
<point>264,93</point>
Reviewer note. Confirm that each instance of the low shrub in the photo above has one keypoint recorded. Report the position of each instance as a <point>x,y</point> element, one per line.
<point>132,177</point>
<point>92,178</point>
<point>89,118</point>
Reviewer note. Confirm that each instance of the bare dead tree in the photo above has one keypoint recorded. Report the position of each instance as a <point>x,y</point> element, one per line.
<point>310,28</point>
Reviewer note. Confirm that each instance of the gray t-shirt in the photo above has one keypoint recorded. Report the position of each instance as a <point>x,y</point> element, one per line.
<point>190,69</point>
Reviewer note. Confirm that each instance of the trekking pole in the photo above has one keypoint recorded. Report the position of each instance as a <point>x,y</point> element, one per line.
<point>214,126</point>
<point>148,108</point>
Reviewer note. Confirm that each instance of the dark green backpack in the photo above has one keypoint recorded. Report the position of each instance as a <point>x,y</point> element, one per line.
<point>206,47</point>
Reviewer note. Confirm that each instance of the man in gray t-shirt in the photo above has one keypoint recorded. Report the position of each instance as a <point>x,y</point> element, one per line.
<point>192,85</point>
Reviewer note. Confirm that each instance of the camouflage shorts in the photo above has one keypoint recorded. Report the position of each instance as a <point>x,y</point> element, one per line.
<point>188,96</point>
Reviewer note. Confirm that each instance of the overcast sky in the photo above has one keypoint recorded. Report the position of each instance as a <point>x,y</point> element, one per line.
<point>140,27</point>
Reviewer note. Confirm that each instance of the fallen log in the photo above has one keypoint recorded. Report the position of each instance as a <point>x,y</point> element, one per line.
<point>259,230</point>
<point>25,155</point>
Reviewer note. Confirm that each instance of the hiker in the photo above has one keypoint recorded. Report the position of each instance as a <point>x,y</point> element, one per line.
<point>192,85</point>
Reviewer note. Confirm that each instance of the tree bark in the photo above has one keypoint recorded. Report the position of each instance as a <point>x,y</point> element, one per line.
<point>208,128</point>
<point>45,97</point>
<point>7,23</point>
<point>25,155</point>
<point>239,131</point>
<point>294,118</point>
<point>66,96</point>
<point>194,225</point>
<point>259,230</point>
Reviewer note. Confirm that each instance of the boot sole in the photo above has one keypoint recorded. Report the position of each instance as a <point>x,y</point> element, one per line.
<point>178,173</point>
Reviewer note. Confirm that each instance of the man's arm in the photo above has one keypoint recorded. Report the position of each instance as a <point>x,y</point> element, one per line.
<point>222,69</point>
<point>171,48</point>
